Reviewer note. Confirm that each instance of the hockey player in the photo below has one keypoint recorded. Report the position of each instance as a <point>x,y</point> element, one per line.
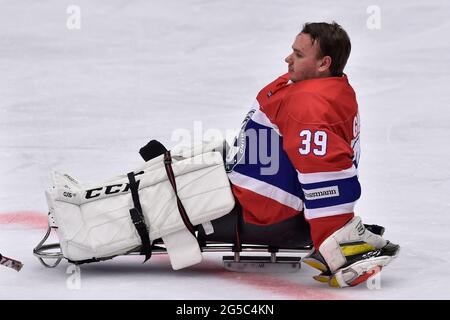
<point>298,153</point>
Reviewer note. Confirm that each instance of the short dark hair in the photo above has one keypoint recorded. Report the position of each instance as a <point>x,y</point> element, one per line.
<point>333,41</point>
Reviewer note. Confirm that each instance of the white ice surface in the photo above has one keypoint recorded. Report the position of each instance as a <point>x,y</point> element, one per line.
<point>84,101</point>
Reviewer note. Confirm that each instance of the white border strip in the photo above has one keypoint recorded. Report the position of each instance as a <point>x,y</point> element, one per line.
<point>306,178</point>
<point>329,211</point>
<point>266,190</point>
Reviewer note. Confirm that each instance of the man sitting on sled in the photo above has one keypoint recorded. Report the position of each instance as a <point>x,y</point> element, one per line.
<point>293,172</point>
<point>306,123</point>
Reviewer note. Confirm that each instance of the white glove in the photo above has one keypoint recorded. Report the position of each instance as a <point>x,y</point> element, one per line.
<point>351,255</point>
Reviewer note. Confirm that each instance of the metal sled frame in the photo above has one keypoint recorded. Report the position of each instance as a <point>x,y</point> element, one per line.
<point>237,262</point>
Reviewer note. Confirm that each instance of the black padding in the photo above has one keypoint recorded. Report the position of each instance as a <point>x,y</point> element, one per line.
<point>151,150</point>
<point>291,233</point>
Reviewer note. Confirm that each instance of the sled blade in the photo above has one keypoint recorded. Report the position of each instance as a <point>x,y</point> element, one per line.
<point>262,264</point>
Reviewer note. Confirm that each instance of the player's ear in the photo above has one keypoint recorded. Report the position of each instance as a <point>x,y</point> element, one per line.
<point>325,64</point>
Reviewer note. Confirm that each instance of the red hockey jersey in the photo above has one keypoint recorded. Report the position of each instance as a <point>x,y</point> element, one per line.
<point>311,130</point>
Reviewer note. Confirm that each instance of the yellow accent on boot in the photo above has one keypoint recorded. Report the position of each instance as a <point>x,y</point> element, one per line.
<point>353,249</point>
<point>322,278</point>
<point>333,282</point>
<point>316,264</point>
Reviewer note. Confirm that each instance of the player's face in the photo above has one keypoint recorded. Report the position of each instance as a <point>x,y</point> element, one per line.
<point>303,62</point>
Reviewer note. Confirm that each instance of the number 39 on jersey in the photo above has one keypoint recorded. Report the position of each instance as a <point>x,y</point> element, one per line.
<point>313,141</point>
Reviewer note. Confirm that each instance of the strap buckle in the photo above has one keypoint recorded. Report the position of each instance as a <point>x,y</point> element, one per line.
<point>167,158</point>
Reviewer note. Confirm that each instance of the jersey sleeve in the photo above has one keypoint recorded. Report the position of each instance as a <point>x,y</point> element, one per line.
<point>327,175</point>
<point>326,172</point>
<point>318,145</point>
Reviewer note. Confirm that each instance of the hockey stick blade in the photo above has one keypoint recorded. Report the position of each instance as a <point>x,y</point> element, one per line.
<point>10,263</point>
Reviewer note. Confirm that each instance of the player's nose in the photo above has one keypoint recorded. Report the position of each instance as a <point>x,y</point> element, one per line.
<point>288,59</point>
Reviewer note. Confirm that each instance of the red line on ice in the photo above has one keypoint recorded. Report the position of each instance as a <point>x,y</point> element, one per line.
<point>278,286</point>
<point>32,219</point>
<point>286,288</point>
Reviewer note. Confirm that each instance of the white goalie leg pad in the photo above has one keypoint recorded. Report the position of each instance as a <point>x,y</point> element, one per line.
<point>94,220</point>
<point>354,231</point>
<point>51,211</point>
<point>203,147</point>
<point>183,249</point>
